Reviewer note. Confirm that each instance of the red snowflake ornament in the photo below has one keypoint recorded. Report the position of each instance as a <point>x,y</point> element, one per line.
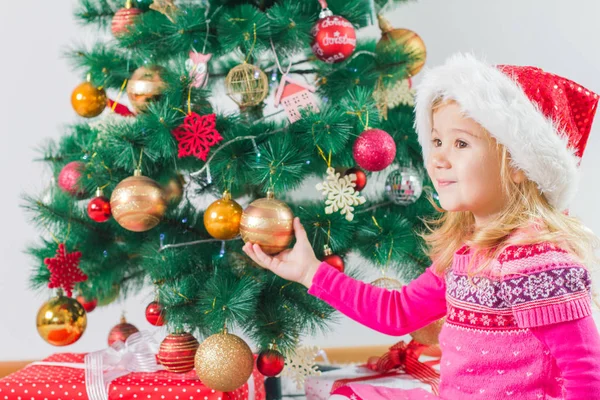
<point>197,135</point>
<point>64,269</point>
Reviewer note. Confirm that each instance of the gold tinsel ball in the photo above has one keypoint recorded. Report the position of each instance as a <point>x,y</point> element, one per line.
<point>222,218</point>
<point>144,86</point>
<point>61,321</point>
<point>138,203</point>
<point>429,335</point>
<point>410,42</point>
<point>269,223</point>
<point>88,100</point>
<point>224,362</point>
<point>247,85</point>
<point>177,352</point>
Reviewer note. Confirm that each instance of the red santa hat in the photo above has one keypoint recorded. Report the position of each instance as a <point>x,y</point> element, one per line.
<point>544,120</point>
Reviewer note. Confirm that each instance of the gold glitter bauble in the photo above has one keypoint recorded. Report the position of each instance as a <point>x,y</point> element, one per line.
<point>387,283</point>
<point>224,362</point>
<point>269,223</point>
<point>429,335</point>
<point>144,86</point>
<point>222,218</point>
<point>61,321</point>
<point>409,40</point>
<point>247,85</point>
<point>138,203</point>
<point>88,101</point>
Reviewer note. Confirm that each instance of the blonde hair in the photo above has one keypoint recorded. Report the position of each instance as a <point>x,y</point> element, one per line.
<point>526,207</point>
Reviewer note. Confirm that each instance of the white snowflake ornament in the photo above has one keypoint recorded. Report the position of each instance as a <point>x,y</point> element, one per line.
<point>340,193</point>
<point>301,364</point>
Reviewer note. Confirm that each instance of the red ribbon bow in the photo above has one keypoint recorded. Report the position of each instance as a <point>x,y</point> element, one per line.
<point>401,358</point>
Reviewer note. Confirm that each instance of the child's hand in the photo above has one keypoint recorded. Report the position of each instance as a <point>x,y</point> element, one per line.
<point>298,264</point>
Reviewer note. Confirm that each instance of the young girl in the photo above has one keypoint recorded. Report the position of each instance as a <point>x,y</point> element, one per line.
<point>502,145</point>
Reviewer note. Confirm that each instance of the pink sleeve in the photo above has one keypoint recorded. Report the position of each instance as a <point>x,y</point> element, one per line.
<point>393,312</point>
<point>576,347</point>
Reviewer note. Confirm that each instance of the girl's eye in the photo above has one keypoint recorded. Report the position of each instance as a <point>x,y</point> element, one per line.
<point>436,142</point>
<point>461,144</point>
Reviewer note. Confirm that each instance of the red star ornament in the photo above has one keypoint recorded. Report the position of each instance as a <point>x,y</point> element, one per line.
<point>197,135</point>
<point>64,270</point>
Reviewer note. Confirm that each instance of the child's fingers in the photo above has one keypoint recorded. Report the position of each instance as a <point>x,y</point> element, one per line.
<point>250,252</point>
<point>299,230</point>
<point>263,258</point>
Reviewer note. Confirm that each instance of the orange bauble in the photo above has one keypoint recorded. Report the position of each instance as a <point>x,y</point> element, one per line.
<point>409,40</point>
<point>88,100</point>
<point>61,321</point>
<point>222,218</point>
<point>269,223</point>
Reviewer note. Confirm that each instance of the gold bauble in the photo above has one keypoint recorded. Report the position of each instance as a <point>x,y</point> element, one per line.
<point>61,321</point>
<point>88,100</point>
<point>409,40</point>
<point>144,86</point>
<point>269,223</point>
<point>138,203</point>
<point>224,362</point>
<point>222,218</point>
<point>387,283</point>
<point>247,85</point>
<point>174,189</point>
<point>429,335</point>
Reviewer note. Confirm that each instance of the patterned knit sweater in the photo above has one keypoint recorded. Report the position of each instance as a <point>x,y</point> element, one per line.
<point>493,340</point>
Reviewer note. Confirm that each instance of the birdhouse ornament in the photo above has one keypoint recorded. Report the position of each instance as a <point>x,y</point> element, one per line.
<point>295,96</point>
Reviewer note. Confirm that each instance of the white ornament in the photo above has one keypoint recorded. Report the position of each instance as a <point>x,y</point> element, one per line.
<point>340,193</point>
<point>301,364</point>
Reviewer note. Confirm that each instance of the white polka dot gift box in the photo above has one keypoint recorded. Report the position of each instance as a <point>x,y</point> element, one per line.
<point>50,380</point>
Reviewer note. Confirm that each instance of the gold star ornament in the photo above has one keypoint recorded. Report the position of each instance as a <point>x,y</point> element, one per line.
<point>165,7</point>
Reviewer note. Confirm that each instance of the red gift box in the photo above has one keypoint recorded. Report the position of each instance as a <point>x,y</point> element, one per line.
<point>40,382</point>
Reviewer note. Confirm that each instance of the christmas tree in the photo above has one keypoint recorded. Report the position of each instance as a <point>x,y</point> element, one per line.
<point>134,177</point>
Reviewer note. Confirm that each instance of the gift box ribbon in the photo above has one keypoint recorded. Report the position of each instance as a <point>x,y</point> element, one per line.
<point>401,358</point>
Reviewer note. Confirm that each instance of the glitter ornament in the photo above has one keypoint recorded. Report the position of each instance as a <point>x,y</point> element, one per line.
<point>404,186</point>
<point>223,217</point>
<point>268,223</point>
<point>177,352</point>
<point>334,37</point>
<point>88,100</point>
<point>138,203</point>
<point>61,321</point>
<point>374,150</point>
<point>121,331</point>
<point>224,362</point>
<point>69,176</point>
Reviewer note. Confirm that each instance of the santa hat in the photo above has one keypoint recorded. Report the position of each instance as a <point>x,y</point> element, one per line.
<point>544,120</point>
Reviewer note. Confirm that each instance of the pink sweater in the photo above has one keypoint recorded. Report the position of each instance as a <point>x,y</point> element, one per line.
<point>524,331</point>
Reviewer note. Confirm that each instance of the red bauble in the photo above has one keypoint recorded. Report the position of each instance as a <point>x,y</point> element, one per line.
<point>270,362</point>
<point>177,352</point>
<point>99,208</point>
<point>334,38</point>
<point>335,261</point>
<point>361,178</point>
<point>154,314</point>
<point>123,19</point>
<point>374,150</point>
<point>88,305</point>
<point>121,331</point>
<point>68,179</point>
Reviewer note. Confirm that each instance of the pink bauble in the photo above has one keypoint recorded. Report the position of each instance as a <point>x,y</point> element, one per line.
<point>374,150</point>
<point>123,19</point>
<point>68,179</point>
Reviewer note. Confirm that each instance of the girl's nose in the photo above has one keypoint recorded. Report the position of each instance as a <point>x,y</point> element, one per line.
<point>439,160</point>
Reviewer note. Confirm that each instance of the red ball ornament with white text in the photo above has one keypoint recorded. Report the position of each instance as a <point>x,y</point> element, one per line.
<point>98,208</point>
<point>154,314</point>
<point>374,150</point>
<point>334,37</point>
<point>270,362</point>
<point>334,260</point>
<point>361,178</point>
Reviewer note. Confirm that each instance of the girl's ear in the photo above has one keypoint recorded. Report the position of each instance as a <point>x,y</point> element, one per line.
<point>517,175</point>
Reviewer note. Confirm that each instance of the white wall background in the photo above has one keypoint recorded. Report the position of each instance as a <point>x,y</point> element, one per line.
<point>557,35</point>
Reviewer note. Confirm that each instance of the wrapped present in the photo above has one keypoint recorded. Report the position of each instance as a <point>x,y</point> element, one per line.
<point>107,375</point>
<point>399,368</point>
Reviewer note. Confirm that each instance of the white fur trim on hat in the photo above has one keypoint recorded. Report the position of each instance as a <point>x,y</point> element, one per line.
<point>494,100</point>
